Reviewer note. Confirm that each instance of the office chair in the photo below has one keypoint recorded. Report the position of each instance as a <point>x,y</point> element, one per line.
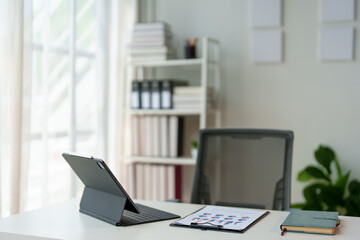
<point>244,168</point>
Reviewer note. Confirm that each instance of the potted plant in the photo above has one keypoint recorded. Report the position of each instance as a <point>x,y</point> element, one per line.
<point>194,149</point>
<point>327,191</point>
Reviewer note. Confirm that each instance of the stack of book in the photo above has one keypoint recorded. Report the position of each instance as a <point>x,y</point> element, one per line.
<point>190,97</point>
<point>150,42</point>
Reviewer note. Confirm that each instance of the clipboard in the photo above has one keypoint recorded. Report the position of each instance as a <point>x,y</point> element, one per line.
<point>219,218</point>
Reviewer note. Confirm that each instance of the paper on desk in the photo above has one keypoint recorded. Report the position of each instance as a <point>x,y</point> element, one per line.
<point>226,217</point>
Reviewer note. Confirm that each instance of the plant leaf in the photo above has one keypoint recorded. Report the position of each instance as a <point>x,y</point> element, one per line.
<point>312,207</point>
<point>331,196</point>
<point>297,205</point>
<point>303,176</point>
<point>324,156</point>
<point>342,181</point>
<point>352,205</point>
<point>354,188</point>
<point>311,194</point>
<point>316,172</point>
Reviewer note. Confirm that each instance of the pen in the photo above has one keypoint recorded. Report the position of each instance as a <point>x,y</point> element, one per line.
<point>204,227</point>
<point>194,41</point>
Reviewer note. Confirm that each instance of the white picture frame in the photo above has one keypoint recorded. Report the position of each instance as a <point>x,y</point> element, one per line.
<point>267,46</point>
<point>266,13</point>
<point>336,43</point>
<point>337,10</point>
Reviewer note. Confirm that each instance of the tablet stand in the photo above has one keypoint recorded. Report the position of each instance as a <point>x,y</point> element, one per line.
<point>102,205</point>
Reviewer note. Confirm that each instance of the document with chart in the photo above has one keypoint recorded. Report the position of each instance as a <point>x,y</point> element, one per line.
<point>222,218</point>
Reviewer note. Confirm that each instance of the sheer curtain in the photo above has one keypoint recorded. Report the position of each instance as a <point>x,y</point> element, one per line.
<point>48,71</point>
<point>123,15</point>
<point>15,72</point>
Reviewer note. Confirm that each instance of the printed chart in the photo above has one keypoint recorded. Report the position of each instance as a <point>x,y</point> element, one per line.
<point>222,217</point>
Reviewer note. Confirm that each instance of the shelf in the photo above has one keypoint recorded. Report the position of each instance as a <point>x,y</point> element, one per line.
<point>166,63</point>
<point>176,112</point>
<point>161,160</point>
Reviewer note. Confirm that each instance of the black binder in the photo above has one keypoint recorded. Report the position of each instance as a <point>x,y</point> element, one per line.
<point>167,92</point>
<point>156,86</point>
<point>104,197</point>
<point>145,94</point>
<point>135,94</point>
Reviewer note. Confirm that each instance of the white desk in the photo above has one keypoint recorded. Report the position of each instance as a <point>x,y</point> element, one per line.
<point>64,221</point>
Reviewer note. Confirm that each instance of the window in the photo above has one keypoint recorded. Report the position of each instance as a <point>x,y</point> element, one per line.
<point>65,103</point>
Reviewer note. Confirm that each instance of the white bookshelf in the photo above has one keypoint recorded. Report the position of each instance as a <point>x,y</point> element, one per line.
<point>210,51</point>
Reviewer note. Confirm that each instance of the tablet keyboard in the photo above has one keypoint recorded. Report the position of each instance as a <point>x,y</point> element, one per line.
<point>147,214</point>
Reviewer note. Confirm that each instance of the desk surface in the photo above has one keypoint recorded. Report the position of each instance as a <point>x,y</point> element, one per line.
<point>64,221</point>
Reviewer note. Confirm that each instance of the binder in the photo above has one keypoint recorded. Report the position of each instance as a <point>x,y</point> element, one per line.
<point>135,94</point>
<point>156,86</point>
<point>167,92</point>
<point>145,95</point>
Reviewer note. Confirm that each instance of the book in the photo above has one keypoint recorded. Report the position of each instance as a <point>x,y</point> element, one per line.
<point>178,183</point>
<point>148,182</point>
<point>222,218</point>
<point>140,181</point>
<point>149,136</point>
<point>149,50</point>
<point>158,43</point>
<point>188,106</point>
<point>156,136</point>
<point>149,26</point>
<point>131,179</point>
<point>188,90</point>
<point>153,33</point>
<point>147,39</point>
<point>163,175</point>
<point>192,91</point>
<point>135,130</point>
<point>156,182</point>
<point>311,222</point>
<point>171,182</point>
<point>142,135</point>
<point>186,98</point>
<point>151,57</point>
<point>175,135</point>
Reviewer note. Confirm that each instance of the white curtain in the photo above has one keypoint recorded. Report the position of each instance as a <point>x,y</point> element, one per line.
<point>123,15</point>
<point>15,93</point>
<point>15,67</point>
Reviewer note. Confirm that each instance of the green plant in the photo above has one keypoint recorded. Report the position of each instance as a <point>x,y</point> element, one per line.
<point>194,144</point>
<point>325,191</point>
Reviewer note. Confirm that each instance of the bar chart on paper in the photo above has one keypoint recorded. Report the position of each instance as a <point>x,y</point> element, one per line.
<point>226,218</point>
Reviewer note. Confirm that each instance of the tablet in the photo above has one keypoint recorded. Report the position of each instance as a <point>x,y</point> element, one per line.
<point>105,198</point>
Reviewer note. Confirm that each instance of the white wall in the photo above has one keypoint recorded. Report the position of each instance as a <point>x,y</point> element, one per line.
<point>319,101</point>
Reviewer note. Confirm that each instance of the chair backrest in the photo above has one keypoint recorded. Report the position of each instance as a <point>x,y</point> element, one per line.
<point>244,167</point>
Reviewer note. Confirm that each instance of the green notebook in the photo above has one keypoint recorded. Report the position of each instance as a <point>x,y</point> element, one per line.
<point>311,222</point>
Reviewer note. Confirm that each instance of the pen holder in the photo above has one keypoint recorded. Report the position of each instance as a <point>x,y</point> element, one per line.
<point>190,51</point>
